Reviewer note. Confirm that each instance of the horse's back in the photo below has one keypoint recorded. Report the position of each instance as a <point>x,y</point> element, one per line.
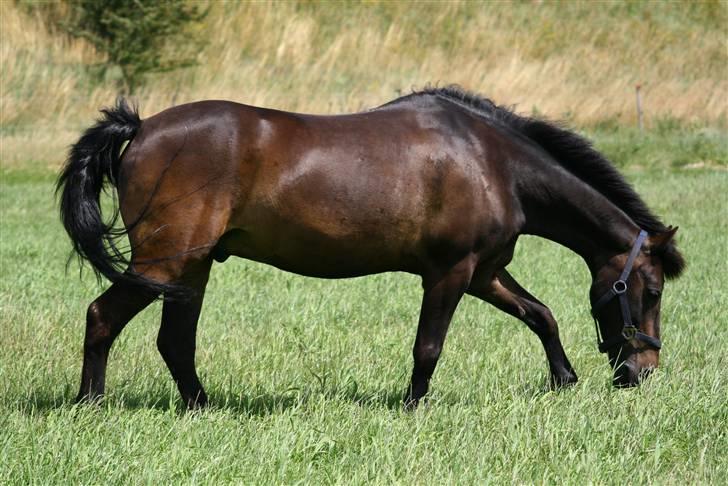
<point>394,189</point>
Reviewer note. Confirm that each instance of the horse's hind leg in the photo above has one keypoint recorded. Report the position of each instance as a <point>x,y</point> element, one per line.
<point>441,297</point>
<point>506,294</point>
<point>177,338</point>
<point>105,319</point>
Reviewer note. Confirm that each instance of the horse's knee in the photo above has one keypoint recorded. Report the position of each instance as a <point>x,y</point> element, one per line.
<point>548,319</point>
<point>542,321</point>
<point>427,354</point>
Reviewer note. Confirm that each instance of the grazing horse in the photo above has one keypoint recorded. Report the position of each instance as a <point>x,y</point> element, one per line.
<point>439,183</point>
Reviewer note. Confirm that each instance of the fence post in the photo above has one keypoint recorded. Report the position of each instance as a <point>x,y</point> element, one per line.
<point>639,106</point>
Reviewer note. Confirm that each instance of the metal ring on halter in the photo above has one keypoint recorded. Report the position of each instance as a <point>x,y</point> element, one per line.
<point>629,332</point>
<point>619,287</point>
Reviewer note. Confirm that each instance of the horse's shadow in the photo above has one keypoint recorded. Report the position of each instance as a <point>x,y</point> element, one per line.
<point>272,403</point>
<point>254,405</point>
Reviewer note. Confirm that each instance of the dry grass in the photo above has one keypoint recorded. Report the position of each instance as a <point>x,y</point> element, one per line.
<point>576,60</point>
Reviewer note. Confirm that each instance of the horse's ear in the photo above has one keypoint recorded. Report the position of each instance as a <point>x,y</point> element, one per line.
<point>662,244</point>
<point>661,240</point>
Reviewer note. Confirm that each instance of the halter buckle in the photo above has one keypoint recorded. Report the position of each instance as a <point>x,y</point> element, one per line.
<point>629,332</point>
<point>619,287</point>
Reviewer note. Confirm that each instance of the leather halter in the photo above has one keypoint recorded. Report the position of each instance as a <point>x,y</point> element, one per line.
<point>619,289</point>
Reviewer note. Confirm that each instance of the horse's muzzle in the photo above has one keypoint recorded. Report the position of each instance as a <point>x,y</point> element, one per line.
<point>629,375</point>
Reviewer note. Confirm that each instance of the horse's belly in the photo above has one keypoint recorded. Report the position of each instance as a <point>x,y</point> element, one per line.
<point>306,252</point>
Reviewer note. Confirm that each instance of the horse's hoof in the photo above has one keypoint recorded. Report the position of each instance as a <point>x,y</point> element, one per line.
<point>197,403</point>
<point>87,399</point>
<point>410,404</point>
<point>564,380</point>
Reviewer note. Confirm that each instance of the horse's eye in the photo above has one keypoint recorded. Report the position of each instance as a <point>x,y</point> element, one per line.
<point>654,293</point>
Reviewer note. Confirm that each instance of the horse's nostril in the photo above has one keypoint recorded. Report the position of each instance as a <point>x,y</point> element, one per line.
<point>626,376</point>
<point>625,382</point>
<point>625,379</point>
<point>645,372</point>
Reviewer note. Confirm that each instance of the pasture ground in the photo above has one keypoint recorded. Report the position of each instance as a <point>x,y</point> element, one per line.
<point>305,376</point>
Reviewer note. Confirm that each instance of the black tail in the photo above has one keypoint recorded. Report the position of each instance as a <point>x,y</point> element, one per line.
<point>92,162</point>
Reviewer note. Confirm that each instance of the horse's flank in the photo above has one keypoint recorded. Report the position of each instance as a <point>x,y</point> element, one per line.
<point>326,196</point>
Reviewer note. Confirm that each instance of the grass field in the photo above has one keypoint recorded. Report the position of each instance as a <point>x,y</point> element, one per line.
<point>305,376</point>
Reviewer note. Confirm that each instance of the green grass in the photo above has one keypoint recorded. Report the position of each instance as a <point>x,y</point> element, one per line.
<point>669,144</point>
<point>305,375</point>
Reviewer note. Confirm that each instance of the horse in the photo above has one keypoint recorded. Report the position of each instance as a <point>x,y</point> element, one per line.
<point>439,183</point>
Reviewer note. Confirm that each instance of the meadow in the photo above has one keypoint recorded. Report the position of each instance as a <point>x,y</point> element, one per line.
<point>306,376</point>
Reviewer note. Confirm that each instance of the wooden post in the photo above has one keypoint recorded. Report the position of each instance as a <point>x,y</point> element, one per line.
<point>639,106</point>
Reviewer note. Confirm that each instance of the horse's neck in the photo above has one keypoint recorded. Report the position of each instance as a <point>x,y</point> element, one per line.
<point>559,206</point>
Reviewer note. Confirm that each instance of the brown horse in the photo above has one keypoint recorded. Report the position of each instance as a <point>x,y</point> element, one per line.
<point>439,183</point>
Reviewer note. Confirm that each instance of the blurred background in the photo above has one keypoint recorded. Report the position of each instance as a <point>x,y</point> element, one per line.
<point>575,61</point>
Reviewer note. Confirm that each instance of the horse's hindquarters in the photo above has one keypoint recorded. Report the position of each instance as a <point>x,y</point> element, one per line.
<point>177,187</point>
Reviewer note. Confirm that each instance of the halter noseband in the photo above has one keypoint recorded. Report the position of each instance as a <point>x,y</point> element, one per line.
<point>619,289</point>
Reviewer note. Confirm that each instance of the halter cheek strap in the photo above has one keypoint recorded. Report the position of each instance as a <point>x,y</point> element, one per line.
<point>619,289</point>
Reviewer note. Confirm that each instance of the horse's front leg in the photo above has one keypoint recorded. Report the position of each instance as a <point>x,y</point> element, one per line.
<point>442,294</point>
<point>506,294</point>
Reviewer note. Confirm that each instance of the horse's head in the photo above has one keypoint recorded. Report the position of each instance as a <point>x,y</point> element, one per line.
<point>625,297</point>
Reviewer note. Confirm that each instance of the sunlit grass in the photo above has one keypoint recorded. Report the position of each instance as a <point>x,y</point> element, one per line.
<point>305,376</point>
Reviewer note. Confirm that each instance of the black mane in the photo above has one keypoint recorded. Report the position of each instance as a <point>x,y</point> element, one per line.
<point>574,153</point>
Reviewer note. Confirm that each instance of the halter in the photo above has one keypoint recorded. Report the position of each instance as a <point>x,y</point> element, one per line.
<point>619,289</point>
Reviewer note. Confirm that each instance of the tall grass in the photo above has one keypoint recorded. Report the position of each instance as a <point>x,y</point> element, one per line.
<point>574,60</point>
<point>306,376</point>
